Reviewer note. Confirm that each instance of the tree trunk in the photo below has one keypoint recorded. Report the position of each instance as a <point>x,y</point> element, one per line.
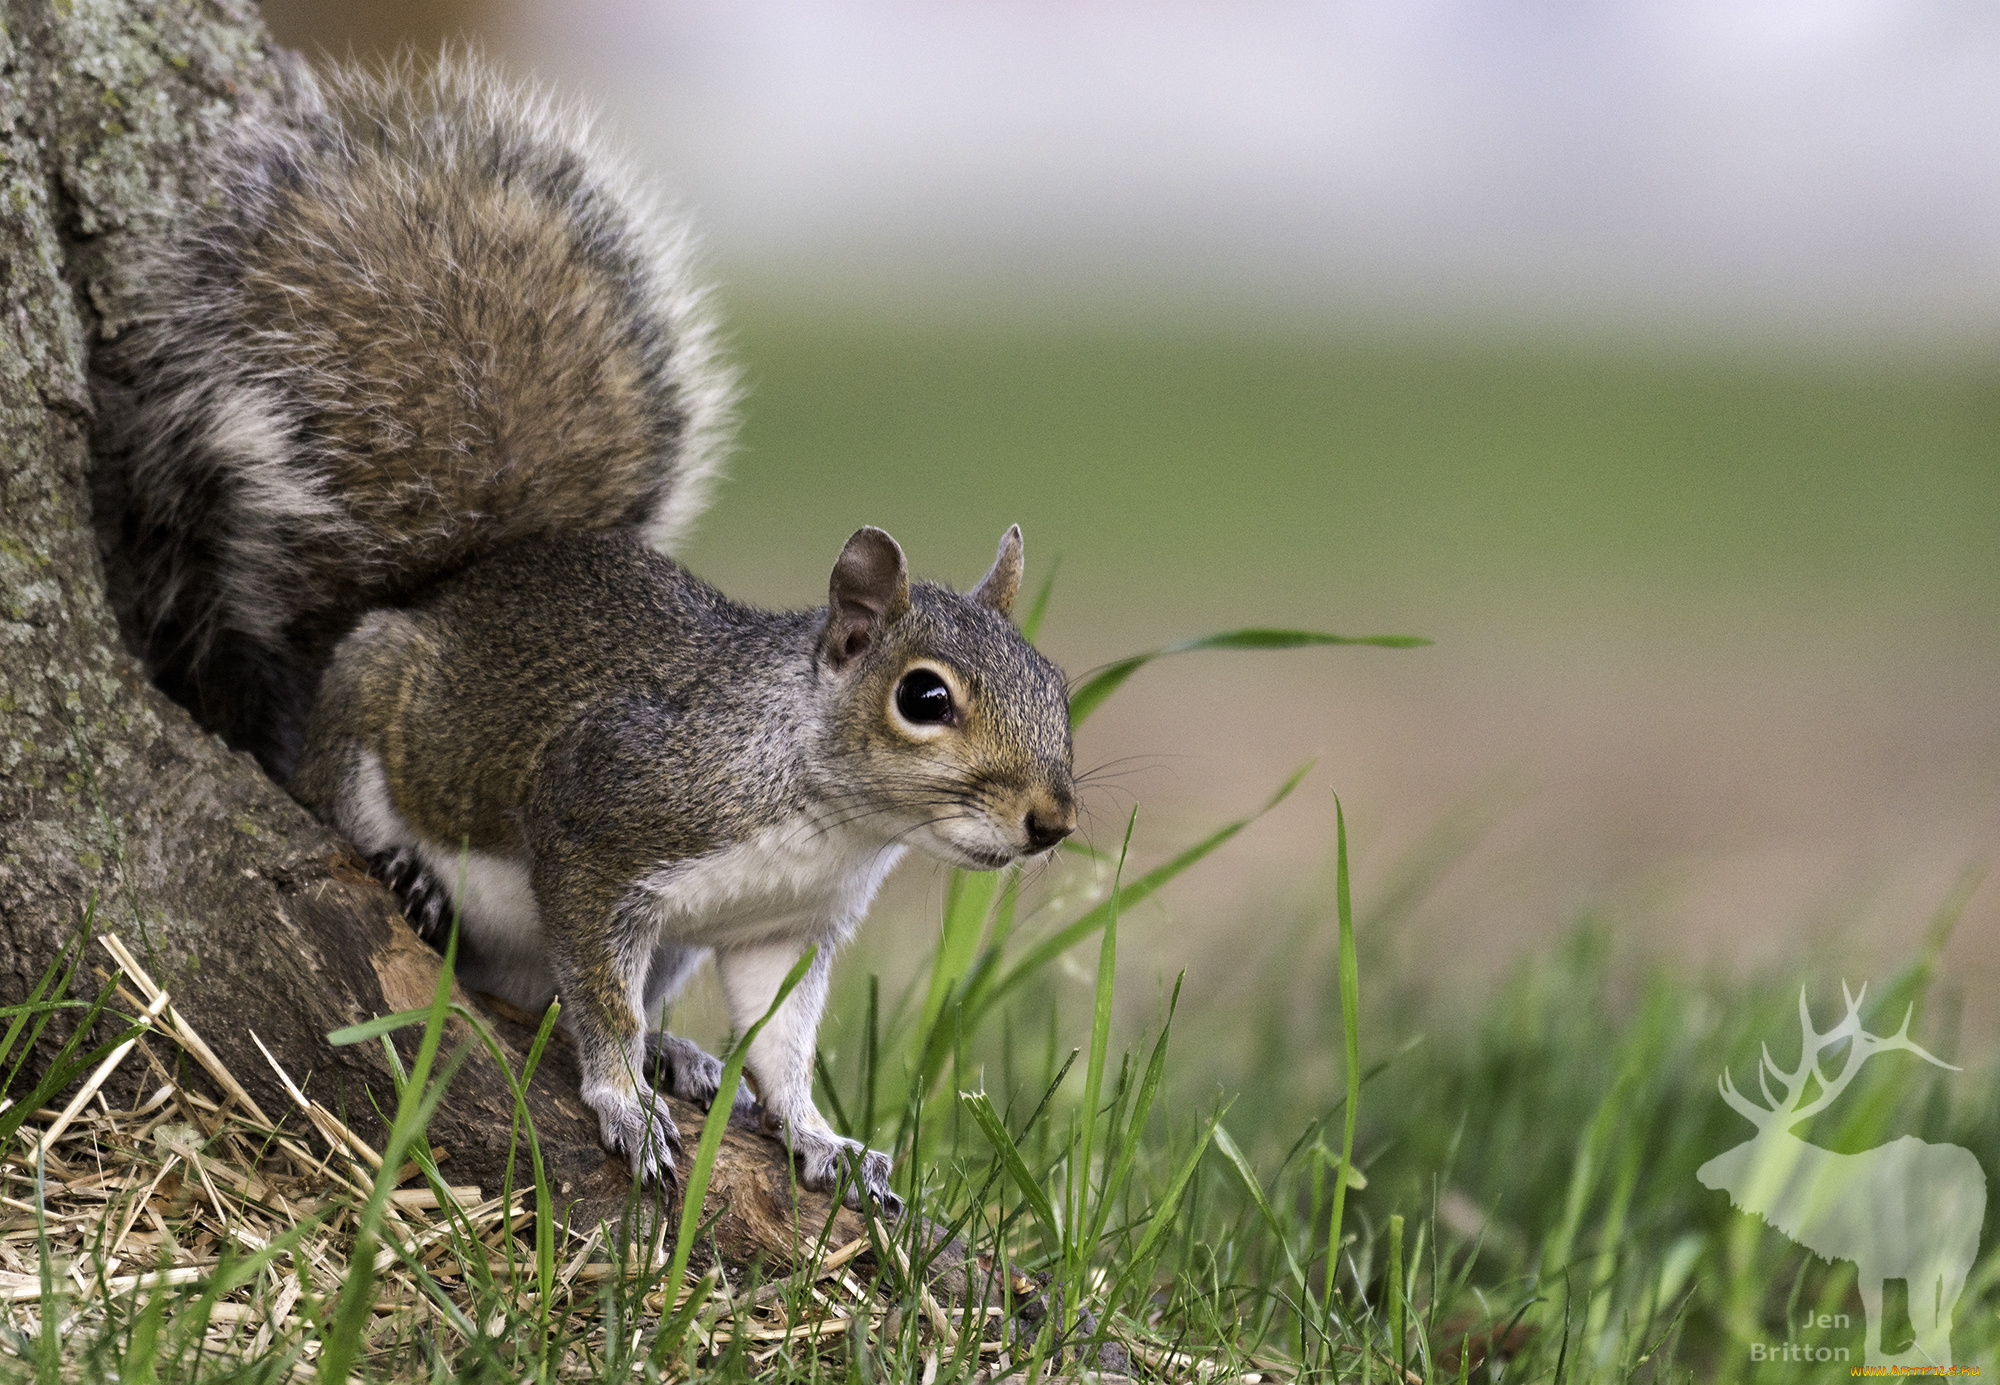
<point>247,911</point>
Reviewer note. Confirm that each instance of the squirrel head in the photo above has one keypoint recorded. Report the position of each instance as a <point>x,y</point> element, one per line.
<point>947,729</point>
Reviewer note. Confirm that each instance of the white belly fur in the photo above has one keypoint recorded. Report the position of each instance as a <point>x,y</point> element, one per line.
<point>795,880</point>
<point>499,930</point>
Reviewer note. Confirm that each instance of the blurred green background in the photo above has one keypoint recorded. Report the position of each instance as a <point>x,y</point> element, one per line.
<point>1717,630</point>
<point>1286,477</point>
<point>1645,359</point>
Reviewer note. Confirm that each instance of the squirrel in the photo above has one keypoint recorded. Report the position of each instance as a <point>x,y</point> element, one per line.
<point>393,464</point>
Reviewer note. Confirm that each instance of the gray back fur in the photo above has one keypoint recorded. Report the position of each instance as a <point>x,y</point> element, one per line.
<point>425,319</point>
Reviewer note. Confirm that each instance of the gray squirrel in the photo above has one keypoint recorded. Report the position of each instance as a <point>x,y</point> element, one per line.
<point>390,470</point>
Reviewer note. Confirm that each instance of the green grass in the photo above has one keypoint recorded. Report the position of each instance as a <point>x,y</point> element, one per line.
<point>1531,1165</point>
<point>1522,1168</point>
<point>1525,1171</point>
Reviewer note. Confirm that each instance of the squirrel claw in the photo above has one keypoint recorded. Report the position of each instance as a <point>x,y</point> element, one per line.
<point>425,902</point>
<point>871,1179</point>
<point>828,1161</point>
<point>690,1072</point>
<point>642,1129</point>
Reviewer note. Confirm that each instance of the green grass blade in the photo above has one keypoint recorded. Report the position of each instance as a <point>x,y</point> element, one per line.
<point>545,1214</point>
<point>968,900</point>
<point>55,983</point>
<point>1251,1185</point>
<point>31,1007</point>
<point>544,1204</point>
<point>668,1339</point>
<point>416,1100</point>
<point>1048,949</point>
<point>48,1348</point>
<point>990,1125</point>
<point>1135,1127</point>
<point>1350,1021</point>
<point>946,1039</point>
<point>1080,1247</point>
<point>1588,1165</point>
<point>837,1107</point>
<point>380,1027</point>
<point>717,1122</point>
<point>67,1065</point>
<point>232,1271</point>
<point>871,1055</point>
<point>1099,685</point>
<point>377,1027</point>
<point>1163,1210</point>
<point>1393,1273</point>
<point>142,1351</point>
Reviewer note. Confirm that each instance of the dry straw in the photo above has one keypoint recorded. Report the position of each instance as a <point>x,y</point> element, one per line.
<point>118,1206</point>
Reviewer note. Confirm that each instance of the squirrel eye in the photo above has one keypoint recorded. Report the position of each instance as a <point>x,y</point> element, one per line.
<point>923,698</point>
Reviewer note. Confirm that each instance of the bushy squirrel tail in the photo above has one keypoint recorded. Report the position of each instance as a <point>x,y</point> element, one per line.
<point>424,318</point>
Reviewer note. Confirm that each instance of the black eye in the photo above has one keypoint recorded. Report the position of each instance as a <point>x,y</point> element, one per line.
<point>923,698</point>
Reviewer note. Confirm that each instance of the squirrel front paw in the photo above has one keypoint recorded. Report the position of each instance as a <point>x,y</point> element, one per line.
<point>684,1068</point>
<point>640,1127</point>
<point>826,1160</point>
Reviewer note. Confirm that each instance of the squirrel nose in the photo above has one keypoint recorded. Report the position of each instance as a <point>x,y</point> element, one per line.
<point>1047,826</point>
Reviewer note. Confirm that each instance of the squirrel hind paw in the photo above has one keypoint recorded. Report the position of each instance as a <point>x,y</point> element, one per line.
<point>690,1072</point>
<point>642,1129</point>
<point>425,902</point>
<point>868,1176</point>
<point>829,1162</point>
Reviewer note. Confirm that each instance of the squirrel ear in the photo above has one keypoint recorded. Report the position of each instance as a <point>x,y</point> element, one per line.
<point>1002,582</point>
<point>869,590</point>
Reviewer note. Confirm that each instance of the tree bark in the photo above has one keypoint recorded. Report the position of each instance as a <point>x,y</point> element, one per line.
<point>247,911</point>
